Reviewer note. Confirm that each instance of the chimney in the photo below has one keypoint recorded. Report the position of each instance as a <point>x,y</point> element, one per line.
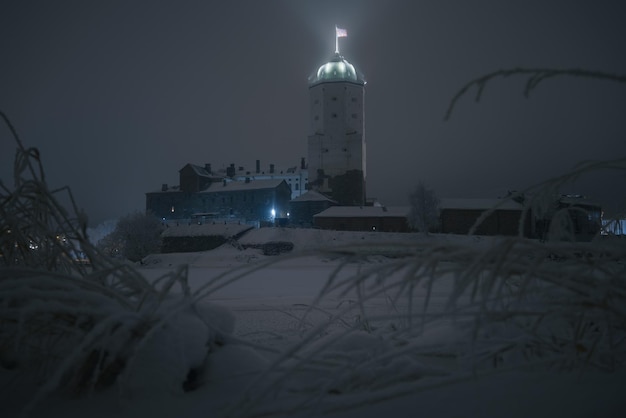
<point>207,167</point>
<point>164,187</point>
<point>230,171</point>
<point>258,166</point>
<point>271,168</point>
<point>302,163</point>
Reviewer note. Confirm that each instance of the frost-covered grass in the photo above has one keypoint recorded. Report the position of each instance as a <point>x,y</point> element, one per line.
<point>71,319</point>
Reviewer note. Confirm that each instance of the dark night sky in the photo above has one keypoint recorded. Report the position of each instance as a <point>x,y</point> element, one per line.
<point>119,95</point>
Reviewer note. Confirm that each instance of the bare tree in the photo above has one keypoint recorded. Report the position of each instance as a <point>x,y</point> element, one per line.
<point>136,236</point>
<point>424,214</point>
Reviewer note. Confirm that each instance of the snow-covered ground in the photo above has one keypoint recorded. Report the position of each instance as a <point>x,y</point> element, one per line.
<point>275,348</point>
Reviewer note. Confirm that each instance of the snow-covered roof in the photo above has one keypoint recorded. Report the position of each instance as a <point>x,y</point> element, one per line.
<point>364,211</point>
<point>479,203</point>
<point>231,186</point>
<point>312,196</point>
<point>243,169</point>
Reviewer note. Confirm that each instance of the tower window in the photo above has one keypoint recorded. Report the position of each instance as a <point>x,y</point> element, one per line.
<point>334,99</point>
<point>316,117</point>
<point>354,116</point>
<point>334,115</point>
<point>354,99</point>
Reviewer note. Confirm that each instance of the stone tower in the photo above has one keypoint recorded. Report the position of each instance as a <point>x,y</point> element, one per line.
<point>336,144</point>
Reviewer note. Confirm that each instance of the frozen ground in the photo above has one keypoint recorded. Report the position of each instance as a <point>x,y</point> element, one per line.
<point>268,311</point>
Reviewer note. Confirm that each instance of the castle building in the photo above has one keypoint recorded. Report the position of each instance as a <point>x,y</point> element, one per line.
<point>336,144</point>
<point>335,173</point>
<point>296,176</point>
<point>205,194</point>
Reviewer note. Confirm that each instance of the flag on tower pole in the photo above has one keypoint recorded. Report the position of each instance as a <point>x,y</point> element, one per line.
<point>339,33</point>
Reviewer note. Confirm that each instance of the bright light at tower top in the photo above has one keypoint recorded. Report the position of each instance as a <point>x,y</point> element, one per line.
<point>339,33</point>
<point>337,68</point>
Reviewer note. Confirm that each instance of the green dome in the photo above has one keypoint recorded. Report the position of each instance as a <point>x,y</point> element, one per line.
<point>337,69</point>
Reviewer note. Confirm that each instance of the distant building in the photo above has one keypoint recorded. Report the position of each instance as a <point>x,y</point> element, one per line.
<point>303,208</point>
<point>194,178</point>
<point>204,195</point>
<point>296,176</point>
<point>336,145</point>
<point>457,216</point>
<point>364,218</point>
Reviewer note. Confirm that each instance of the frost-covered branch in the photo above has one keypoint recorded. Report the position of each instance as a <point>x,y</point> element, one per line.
<point>535,77</point>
